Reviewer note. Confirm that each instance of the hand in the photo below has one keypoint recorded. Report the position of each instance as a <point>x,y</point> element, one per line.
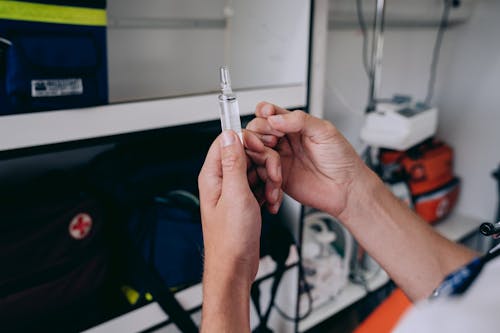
<point>230,211</point>
<point>231,221</point>
<point>321,169</point>
<point>318,163</point>
<point>263,172</point>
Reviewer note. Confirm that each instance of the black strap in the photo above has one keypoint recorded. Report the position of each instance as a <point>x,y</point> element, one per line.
<point>163,296</point>
<point>255,294</point>
<point>496,175</point>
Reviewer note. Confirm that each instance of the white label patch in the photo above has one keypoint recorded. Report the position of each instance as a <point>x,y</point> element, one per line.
<point>51,88</point>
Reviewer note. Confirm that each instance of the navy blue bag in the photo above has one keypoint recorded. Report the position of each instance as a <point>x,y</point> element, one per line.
<point>152,185</point>
<point>168,234</point>
<point>49,66</point>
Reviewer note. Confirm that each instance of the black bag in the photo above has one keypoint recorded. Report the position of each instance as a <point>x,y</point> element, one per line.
<point>53,255</point>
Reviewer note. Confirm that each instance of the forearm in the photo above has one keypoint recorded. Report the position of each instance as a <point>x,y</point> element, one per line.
<point>415,256</point>
<point>226,300</point>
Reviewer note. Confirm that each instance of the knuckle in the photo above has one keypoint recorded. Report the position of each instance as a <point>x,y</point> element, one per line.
<point>301,115</point>
<point>251,125</point>
<point>231,160</point>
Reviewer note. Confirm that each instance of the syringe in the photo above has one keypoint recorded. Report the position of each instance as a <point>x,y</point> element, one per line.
<point>229,108</point>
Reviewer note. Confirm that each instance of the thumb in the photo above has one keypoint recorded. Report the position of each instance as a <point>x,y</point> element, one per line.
<point>234,164</point>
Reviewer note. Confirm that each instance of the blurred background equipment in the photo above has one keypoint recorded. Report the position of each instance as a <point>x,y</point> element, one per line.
<point>327,251</point>
<point>399,125</point>
<point>427,170</point>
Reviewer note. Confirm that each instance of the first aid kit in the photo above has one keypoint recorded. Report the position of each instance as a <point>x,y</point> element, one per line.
<point>52,55</point>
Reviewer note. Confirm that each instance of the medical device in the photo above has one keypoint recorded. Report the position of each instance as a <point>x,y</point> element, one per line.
<point>396,124</point>
<point>229,107</point>
<point>399,126</point>
<point>327,250</point>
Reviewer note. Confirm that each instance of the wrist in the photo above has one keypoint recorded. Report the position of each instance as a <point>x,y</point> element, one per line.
<point>223,269</point>
<point>226,298</point>
<point>365,188</point>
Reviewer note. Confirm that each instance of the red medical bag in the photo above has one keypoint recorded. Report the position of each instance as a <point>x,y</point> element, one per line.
<point>428,170</point>
<point>435,205</point>
<point>428,166</point>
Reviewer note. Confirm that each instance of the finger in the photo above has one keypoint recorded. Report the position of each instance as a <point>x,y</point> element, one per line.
<point>210,176</point>
<point>274,208</point>
<point>268,167</point>
<point>252,141</point>
<point>259,193</point>
<point>234,166</point>
<point>272,193</point>
<point>299,121</point>
<point>253,178</point>
<point>270,140</point>
<point>269,162</point>
<point>266,109</point>
<point>260,127</point>
<point>264,156</point>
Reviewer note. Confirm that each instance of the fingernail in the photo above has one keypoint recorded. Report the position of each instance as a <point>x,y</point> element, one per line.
<point>276,207</point>
<point>267,110</point>
<point>267,139</point>
<point>274,194</point>
<point>277,118</point>
<point>227,138</point>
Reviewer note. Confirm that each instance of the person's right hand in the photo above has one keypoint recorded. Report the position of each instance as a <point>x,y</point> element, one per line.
<point>318,164</point>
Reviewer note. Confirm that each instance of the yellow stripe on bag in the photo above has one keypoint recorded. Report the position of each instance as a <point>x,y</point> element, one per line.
<point>34,12</point>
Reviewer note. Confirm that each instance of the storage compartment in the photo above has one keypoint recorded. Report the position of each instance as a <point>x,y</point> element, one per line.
<point>54,59</point>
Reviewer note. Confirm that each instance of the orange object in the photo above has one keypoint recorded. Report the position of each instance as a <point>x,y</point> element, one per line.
<point>388,156</point>
<point>429,167</point>
<point>436,205</point>
<point>386,316</point>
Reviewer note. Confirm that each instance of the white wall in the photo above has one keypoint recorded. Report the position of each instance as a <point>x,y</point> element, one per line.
<point>470,103</point>
<point>405,70</point>
<point>468,78</point>
<point>160,48</point>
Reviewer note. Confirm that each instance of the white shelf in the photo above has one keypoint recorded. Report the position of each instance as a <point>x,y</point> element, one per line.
<point>191,297</point>
<point>134,321</point>
<point>458,226</point>
<point>349,295</point>
<point>378,280</point>
<point>43,128</point>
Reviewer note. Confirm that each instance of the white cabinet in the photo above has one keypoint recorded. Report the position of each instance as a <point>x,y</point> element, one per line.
<point>163,68</point>
<point>163,72</point>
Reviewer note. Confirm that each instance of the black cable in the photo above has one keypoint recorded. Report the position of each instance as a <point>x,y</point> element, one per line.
<point>364,32</point>
<point>303,281</point>
<point>496,175</point>
<point>437,48</point>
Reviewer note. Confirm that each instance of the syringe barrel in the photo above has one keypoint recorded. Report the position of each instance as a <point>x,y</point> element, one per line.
<point>230,114</point>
